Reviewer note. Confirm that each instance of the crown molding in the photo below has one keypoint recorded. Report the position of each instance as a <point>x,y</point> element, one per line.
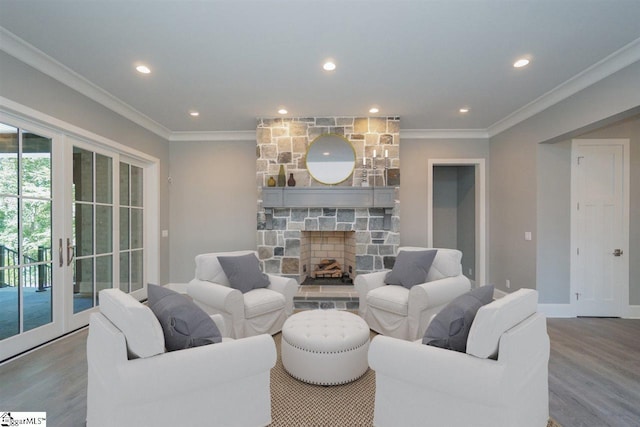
<point>618,60</point>
<point>238,135</point>
<point>443,134</point>
<point>32,56</point>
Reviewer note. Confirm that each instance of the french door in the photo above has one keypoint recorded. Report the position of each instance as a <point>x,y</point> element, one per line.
<point>71,224</point>
<point>29,308</point>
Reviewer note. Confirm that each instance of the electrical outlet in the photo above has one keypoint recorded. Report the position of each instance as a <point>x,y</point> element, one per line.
<point>508,284</point>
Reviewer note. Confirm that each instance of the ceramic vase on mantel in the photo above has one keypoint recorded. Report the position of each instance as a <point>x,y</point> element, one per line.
<point>292,181</point>
<point>282,178</point>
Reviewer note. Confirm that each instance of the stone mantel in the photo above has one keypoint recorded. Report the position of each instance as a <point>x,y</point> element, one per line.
<point>328,197</point>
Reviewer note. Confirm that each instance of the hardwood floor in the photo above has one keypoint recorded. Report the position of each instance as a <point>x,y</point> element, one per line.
<point>594,372</point>
<point>594,376</point>
<point>51,379</point>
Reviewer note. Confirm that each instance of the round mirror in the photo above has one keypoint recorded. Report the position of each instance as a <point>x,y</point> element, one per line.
<point>330,159</point>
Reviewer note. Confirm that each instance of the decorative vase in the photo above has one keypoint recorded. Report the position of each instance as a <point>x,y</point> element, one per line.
<point>271,182</point>
<point>282,178</point>
<point>292,181</point>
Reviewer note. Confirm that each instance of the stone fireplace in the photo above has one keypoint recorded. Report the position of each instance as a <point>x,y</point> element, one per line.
<point>360,225</point>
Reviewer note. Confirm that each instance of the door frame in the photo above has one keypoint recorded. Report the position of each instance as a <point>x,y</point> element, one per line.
<point>623,306</point>
<point>481,218</point>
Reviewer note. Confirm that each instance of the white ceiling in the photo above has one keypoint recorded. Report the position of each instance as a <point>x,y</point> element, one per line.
<point>234,61</point>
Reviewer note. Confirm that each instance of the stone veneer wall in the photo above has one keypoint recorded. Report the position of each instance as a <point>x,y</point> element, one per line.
<point>284,142</point>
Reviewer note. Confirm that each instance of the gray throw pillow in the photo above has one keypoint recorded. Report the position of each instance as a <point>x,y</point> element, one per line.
<point>243,272</point>
<point>450,327</point>
<point>184,324</point>
<point>411,268</point>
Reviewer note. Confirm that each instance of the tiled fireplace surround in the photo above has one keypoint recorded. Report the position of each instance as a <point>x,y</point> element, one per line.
<point>286,247</point>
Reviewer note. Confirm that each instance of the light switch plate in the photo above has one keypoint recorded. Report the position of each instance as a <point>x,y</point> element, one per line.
<point>527,235</point>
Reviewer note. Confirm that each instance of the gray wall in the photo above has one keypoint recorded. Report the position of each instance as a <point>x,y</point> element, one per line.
<point>554,221</point>
<point>213,196</point>
<point>522,199</point>
<point>29,87</point>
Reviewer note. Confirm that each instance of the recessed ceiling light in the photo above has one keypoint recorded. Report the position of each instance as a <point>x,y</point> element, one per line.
<point>464,110</point>
<point>194,113</point>
<point>329,66</point>
<point>374,110</point>
<point>522,62</point>
<point>143,69</point>
<point>282,111</point>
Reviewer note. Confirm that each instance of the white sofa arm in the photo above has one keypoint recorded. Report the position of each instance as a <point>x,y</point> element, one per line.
<point>438,292</point>
<point>183,371</point>
<point>446,372</point>
<point>429,298</point>
<point>215,298</point>
<point>287,287</point>
<point>367,282</point>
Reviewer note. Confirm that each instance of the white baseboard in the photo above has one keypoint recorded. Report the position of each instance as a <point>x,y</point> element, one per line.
<point>633,312</point>
<point>568,310</point>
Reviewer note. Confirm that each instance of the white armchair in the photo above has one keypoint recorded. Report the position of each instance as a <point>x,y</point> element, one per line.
<point>259,311</point>
<point>133,382</point>
<point>404,313</point>
<point>501,381</point>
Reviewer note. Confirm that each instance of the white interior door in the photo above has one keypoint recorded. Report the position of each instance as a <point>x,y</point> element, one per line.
<point>599,273</point>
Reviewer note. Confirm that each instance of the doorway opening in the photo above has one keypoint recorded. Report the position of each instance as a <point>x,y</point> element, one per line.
<point>456,212</point>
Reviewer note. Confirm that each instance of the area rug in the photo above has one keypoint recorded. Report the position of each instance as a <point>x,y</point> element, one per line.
<point>297,404</point>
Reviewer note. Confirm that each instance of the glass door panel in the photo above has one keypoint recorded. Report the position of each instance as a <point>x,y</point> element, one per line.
<point>26,266</point>
<point>82,285</point>
<point>124,271</point>
<point>131,228</point>
<point>136,273</point>
<point>92,225</point>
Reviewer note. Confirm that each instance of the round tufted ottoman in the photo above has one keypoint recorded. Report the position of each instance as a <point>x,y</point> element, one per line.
<point>326,347</point>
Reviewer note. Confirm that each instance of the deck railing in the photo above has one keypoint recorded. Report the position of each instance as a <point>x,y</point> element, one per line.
<point>33,273</point>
